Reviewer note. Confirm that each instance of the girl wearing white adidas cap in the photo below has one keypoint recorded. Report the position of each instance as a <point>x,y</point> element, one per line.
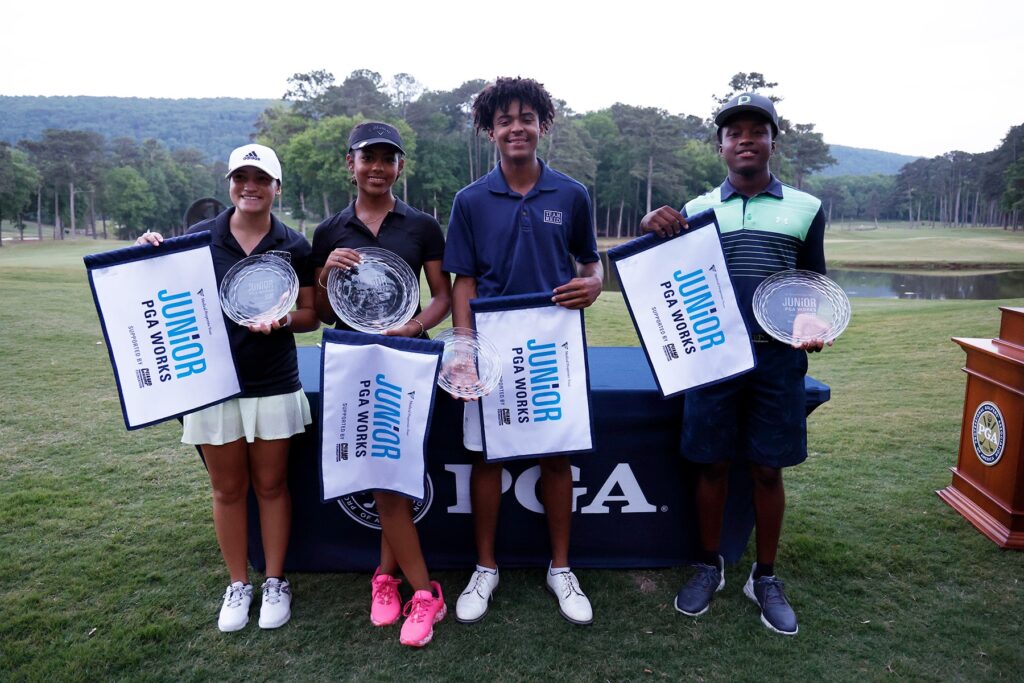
<point>244,441</point>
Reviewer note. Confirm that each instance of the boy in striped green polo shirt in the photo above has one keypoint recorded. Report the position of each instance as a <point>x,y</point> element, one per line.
<point>758,417</point>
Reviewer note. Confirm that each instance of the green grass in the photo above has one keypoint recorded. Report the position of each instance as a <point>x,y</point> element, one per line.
<point>112,571</point>
<point>924,247</point>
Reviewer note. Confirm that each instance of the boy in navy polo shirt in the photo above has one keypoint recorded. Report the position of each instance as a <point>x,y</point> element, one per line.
<point>521,229</point>
<point>760,416</point>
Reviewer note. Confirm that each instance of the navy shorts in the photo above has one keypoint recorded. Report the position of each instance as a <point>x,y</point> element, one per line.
<point>760,416</point>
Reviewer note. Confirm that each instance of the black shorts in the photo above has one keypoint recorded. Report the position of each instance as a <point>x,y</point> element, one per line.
<point>760,416</point>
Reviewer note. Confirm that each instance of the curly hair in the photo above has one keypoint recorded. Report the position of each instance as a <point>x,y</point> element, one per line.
<point>499,95</point>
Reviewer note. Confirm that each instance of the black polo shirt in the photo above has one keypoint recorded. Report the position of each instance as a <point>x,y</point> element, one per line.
<point>267,364</point>
<point>406,231</point>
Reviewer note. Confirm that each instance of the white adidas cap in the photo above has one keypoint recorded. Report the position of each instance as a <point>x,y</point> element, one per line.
<point>259,156</point>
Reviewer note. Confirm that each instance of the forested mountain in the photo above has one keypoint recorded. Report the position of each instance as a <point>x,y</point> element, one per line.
<point>214,126</point>
<point>141,162</point>
<point>859,161</point>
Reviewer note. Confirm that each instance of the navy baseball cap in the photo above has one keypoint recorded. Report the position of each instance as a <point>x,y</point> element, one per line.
<point>752,103</point>
<point>374,133</point>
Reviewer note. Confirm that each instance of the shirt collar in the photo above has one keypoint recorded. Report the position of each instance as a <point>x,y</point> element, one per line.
<point>774,189</point>
<point>545,183</point>
<point>220,231</point>
<point>220,228</point>
<point>349,212</point>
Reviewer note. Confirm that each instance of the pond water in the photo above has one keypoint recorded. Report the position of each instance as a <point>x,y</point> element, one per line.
<point>906,284</point>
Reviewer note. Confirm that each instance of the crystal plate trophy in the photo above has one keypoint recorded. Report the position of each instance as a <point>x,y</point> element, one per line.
<point>470,365</point>
<point>796,306</point>
<point>259,289</point>
<point>379,293</point>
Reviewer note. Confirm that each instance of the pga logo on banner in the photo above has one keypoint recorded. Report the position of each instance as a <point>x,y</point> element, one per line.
<point>682,302</point>
<point>542,403</point>
<point>378,399</point>
<point>160,313</point>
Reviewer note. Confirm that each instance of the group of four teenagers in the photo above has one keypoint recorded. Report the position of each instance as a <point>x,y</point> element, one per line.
<point>522,228</point>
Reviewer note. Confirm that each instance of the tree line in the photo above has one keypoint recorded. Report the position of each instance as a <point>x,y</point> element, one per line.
<point>77,181</point>
<point>630,158</point>
<point>955,189</point>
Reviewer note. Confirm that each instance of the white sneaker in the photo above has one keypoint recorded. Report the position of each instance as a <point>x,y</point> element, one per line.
<point>234,613</point>
<point>472,605</point>
<point>277,603</point>
<point>572,602</point>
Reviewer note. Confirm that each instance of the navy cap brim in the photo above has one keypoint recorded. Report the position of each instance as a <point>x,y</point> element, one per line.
<point>376,141</point>
<point>724,116</point>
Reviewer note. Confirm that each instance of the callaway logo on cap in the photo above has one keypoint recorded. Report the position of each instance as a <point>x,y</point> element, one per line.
<point>375,133</point>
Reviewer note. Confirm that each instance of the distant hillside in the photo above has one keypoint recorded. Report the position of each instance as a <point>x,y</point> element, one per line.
<point>214,126</point>
<point>857,161</point>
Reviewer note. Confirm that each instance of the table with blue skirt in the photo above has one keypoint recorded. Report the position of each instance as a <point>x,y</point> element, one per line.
<point>633,496</point>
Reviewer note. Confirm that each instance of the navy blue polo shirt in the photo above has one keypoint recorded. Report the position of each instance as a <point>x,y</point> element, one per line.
<point>514,244</point>
<point>412,234</point>
<point>267,364</point>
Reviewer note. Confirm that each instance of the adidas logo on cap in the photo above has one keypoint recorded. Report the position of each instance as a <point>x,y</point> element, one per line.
<point>255,155</point>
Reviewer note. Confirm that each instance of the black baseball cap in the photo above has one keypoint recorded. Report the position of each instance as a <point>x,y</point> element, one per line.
<point>752,103</point>
<point>374,133</point>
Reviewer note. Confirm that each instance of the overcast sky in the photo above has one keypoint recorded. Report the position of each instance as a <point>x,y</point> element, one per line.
<point>911,77</point>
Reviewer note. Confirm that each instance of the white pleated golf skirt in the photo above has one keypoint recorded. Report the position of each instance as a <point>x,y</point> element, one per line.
<point>263,417</point>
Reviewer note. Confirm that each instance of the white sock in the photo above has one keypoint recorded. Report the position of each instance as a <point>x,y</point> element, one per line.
<point>489,570</point>
<point>557,570</point>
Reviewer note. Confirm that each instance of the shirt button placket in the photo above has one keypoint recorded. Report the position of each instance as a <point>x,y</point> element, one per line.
<point>524,216</point>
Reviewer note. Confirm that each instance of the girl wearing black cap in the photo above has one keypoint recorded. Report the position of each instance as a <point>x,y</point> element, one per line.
<point>245,440</point>
<point>376,218</point>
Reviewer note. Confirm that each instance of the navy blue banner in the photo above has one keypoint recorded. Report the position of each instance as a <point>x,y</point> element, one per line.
<point>682,303</point>
<point>632,498</point>
<point>159,309</point>
<point>645,242</point>
<point>541,407</point>
<point>146,251</point>
<point>378,398</point>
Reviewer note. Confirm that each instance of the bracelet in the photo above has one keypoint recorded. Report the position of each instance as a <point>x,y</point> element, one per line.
<point>287,321</point>
<point>322,285</point>
<point>423,330</point>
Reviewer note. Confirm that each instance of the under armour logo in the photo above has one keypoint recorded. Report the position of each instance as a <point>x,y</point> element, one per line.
<point>251,156</point>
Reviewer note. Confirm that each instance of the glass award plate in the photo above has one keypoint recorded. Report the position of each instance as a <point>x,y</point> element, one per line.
<point>259,289</point>
<point>380,293</point>
<point>795,306</point>
<point>470,365</point>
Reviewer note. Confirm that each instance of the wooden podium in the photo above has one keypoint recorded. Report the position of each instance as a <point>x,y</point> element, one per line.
<point>988,480</point>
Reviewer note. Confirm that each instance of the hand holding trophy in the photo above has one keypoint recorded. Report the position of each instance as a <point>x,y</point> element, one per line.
<point>802,308</point>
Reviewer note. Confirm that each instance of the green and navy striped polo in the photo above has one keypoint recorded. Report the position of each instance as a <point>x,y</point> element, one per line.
<point>779,229</point>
